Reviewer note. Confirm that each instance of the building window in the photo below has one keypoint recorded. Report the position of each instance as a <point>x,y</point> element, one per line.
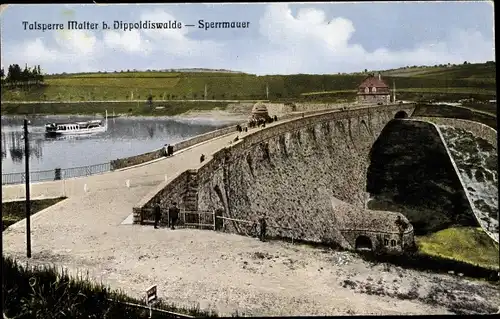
<point>374,89</point>
<point>386,242</point>
<point>367,90</point>
<point>393,243</point>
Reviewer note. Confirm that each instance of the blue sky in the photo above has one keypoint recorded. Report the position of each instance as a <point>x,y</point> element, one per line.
<point>282,38</point>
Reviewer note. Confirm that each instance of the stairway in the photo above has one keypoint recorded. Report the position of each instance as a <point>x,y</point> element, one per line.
<point>191,197</point>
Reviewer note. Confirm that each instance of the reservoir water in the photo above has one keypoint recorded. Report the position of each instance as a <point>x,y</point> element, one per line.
<point>126,136</point>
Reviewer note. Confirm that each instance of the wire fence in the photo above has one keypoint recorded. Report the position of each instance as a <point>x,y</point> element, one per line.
<point>56,174</point>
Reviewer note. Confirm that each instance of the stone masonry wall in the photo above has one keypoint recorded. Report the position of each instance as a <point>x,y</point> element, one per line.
<point>476,128</point>
<point>279,170</point>
<point>289,171</point>
<point>411,172</point>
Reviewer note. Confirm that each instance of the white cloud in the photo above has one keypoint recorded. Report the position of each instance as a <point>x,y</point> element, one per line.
<point>176,41</point>
<point>308,42</point>
<point>77,41</point>
<point>130,41</point>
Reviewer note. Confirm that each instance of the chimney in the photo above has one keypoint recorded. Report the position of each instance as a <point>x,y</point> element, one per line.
<point>379,76</point>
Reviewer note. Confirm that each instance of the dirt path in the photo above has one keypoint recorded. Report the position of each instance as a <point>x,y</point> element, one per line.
<point>232,273</point>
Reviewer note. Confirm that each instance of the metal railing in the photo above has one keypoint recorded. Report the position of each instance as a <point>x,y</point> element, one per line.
<point>56,174</point>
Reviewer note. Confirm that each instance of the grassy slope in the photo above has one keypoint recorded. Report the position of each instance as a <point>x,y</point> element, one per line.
<point>466,244</point>
<point>46,292</point>
<point>473,78</point>
<point>12,212</point>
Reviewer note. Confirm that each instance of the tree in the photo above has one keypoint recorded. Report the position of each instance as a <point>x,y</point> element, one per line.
<point>34,75</point>
<point>15,74</point>
<point>465,62</point>
<point>25,75</point>
<point>2,74</point>
<point>39,72</point>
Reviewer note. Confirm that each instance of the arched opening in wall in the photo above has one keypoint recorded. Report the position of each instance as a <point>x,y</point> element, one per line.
<point>401,115</point>
<point>363,243</point>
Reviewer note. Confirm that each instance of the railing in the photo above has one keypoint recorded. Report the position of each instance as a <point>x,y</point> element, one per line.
<point>187,218</point>
<point>56,174</point>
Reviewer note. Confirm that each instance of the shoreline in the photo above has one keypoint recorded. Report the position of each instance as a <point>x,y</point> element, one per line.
<point>215,114</point>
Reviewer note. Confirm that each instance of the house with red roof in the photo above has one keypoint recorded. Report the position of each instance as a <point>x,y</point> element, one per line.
<point>373,90</point>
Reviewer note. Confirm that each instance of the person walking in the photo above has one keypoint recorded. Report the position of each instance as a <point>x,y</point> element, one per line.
<point>263,226</point>
<point>157,212</point>
<point>174,215</point>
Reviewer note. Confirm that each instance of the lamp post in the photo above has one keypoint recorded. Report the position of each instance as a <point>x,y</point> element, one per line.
<point>28,202</point>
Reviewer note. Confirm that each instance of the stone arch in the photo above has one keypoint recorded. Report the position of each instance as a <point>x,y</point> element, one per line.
<point>401,115</point>
<point>282,145</point>
<point>363,243</point>
<point>367,129</point>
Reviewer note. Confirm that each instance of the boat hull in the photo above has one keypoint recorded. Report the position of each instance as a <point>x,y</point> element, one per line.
<point>76,132</point>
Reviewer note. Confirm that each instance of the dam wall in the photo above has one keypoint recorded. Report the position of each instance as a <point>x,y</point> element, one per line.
<point>437,176</point>
<point>290,171</point>
<point>456,112</point>
<point>478,129</point>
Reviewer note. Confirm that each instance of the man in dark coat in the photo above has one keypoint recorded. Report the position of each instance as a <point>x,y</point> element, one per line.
<point>157,212</point>
<point>173,212</point>
<point>263,226</point>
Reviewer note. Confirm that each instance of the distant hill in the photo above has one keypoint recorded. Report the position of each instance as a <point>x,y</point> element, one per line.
<point>441,82</point>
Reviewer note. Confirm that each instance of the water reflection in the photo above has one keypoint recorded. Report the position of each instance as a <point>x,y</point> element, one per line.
<point>14,142</point>
<point>124,137</point>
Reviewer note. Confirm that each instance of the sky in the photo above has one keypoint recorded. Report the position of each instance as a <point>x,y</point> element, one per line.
<point>281,38</point>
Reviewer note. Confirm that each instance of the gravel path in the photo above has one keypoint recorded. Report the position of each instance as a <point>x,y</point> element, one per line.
<point>232,273</point>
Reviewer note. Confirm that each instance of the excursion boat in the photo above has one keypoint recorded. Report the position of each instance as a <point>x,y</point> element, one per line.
<point>76,128</point>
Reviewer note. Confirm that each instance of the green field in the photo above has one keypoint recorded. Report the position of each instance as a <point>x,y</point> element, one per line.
<point>466,244</point>
<point>469,79</point>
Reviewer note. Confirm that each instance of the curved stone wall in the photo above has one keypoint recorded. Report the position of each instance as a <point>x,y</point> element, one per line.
<point>450,176</point>
<point>290,171</point>
<point>478,129</point>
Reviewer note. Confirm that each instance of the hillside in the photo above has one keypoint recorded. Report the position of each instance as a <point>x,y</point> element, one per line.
<point>456,82</point>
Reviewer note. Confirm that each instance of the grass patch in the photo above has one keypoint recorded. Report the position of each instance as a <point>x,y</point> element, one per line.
<point>467,244</point>
<point>43,292</point>
<point>12,212</point>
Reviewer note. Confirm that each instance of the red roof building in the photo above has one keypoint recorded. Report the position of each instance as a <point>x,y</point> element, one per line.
<point>374,90</point>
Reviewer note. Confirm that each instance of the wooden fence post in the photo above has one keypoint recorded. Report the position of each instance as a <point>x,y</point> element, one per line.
<point>213,211</point>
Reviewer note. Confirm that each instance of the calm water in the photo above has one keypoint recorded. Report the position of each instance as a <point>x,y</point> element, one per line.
<point>125,137</point>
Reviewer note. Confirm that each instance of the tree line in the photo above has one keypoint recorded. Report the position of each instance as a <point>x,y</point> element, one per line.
<point>17,77</point>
